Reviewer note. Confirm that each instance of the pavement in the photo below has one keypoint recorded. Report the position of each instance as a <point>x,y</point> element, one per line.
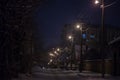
<point>57,74</point>
<point>23,77</point>
<point>97,76</point>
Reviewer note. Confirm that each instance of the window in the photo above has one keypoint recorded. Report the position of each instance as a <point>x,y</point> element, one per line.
<point>92,36</point>
<point>84,36</point>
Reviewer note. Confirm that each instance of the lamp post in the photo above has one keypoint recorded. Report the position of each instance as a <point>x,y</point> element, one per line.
<point>81,55</point>
<point>103,31</point>
<point>102,37</point>
<point>70,37</point>
<point>58,60</point>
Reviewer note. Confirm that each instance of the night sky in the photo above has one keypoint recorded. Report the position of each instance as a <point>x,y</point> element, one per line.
<point>54,14</point>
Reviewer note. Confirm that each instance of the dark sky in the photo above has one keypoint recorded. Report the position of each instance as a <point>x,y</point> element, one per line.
<point>54,14</point>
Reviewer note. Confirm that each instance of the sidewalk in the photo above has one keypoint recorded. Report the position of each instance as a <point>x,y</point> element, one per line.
<point>85,75</point>
<point>23,77</point>
<point>97,76</point>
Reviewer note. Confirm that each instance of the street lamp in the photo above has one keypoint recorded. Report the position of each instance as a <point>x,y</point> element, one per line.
<point>58,49</point>
<point>56,52</point>
<point>97,2</point>
<point>51,60</point>
<point>79,27</point>
<point>51,54</point>
<point>70,37</point>
<point>102,41</point>
<point>103,31</point>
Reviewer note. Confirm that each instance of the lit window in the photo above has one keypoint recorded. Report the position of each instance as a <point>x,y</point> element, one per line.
<point>84,36</point>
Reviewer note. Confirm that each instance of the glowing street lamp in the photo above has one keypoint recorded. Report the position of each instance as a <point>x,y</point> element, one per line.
<point>52,55</point>
<point>51,60</point>
<point>102,35</point>
<point>56,52</point>
<point>70,37</point>
<point>79,27</point>
<point>97,1</point>
<point>103,6</point>
<point>58,49</point>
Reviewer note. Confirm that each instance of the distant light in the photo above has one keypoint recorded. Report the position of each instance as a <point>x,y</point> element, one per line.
<point>78,26</point>
<point>56,52</point>
<point>58,49</point>
<point>69,37</point>
<point>97,2</point>
<point>51,60</point>
<point>51,54</point>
